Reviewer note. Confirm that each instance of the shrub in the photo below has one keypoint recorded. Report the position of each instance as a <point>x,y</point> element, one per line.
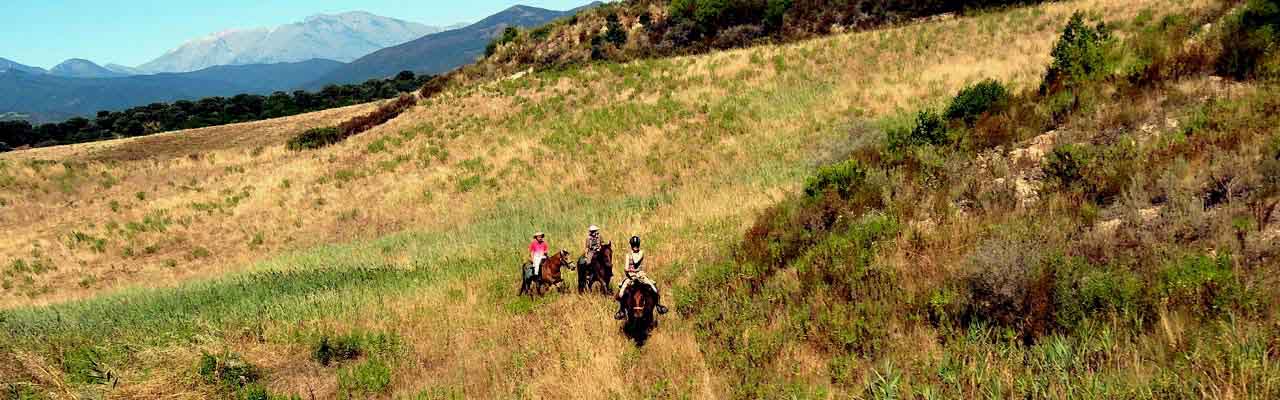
<point>973,101</point>
<point>226,370</point>
<point>615,33</point>
<point>929,129</point>
<point>1065,166</point>
<point>1249,38</point>
<point>842,177</point>
<point>384,113</point>
<point>1204,284</point>
<point>1086,292</point>
<point>314,138</point>
<point>341,348</point>
<point>738,36</point>
<point>1079,55</point>
<point>1011,283</point>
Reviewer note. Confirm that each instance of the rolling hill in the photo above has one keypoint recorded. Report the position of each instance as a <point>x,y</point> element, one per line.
<point>1062,200</point>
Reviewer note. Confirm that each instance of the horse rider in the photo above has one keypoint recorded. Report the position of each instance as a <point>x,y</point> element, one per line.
<point>538,251</point>
<point>593,243</point>
<point>635,274</point>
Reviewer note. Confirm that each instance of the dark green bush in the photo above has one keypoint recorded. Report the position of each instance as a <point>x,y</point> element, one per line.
<point>314,138</point>
<point>227,370</point>
<point>929,129</point>
<point>341,348</point>
<point>843,177</point>
<point>1249,38</point>
<point>1206,285</point>
<point>508,35</point>
<point>1065,166</point>
<point>1086,292</point>
<point>615,33</point>
<point>1079,55</point>
<point>973,101</point>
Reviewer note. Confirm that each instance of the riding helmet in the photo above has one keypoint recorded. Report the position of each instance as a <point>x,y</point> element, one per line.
<point>635,241</point>
<point>593,228</point>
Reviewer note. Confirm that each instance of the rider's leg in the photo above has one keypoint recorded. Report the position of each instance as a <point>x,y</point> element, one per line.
<point>622,312</point>
<point>661,308</point>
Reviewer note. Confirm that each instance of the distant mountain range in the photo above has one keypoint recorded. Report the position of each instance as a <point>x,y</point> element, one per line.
<point>10,65</point>
<point>305,55</point>
<point>45,97</point>
<point>342,37</point>
<point>440,52</point>
<point>81,68</point>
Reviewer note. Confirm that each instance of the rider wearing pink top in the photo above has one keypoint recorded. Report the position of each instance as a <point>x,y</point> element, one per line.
<point>537,251</point>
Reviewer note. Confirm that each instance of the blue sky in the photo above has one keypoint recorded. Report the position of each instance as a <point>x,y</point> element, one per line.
<point>43,33</point>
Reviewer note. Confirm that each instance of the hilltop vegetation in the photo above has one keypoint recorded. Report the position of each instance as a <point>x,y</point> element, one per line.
<point>209,111</point>
<point>1057,201</point>
<point>660,28</point>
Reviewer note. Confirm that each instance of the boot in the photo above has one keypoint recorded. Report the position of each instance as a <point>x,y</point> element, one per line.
<point>622,312</point>
<point>662,310</point>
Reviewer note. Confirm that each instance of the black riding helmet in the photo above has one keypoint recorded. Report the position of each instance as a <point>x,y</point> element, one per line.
<point>635,241</point>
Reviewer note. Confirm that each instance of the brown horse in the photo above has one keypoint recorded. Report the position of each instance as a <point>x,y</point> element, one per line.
<point>639,302</point>
<point>599,269</point>
<point>549,275</point>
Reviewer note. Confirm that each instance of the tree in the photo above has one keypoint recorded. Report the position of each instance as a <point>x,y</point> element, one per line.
<point>16,133</point>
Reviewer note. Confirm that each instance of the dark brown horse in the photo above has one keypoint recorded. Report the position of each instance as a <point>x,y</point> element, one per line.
<point>639,302</point>
<point>549,275</point>
<point>599,269</point>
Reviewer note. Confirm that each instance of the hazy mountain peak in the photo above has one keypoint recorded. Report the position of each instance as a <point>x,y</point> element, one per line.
<point>82,68</point>
<point>10,65</point>
<point>342,37</point>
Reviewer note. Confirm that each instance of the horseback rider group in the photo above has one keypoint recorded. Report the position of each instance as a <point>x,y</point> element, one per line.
<point>634,272</point>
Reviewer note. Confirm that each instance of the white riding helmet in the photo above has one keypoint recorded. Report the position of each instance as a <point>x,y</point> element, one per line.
<point>593,228</point>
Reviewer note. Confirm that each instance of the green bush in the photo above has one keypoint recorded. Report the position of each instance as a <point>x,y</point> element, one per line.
<point>314,138</point>
<point>1087,292</point>
<point>1206,285</point>
<point>929,129</point>
<point>1249,39</point>
<point>364,380</point>
<point>617,34</point>
<point>1065,166</point>
<point>1079,55</point>
<point>227,370</point>
<point>843,177</point>
<point>972,101</point>
<point>327,350</point>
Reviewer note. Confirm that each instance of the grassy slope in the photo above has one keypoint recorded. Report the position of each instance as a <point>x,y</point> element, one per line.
<point>682,151</point>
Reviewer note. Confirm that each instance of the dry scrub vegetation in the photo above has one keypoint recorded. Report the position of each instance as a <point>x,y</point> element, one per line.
<point>165,265</point>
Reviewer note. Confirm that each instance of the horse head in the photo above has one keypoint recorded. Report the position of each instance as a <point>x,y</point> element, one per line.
<point>639,301</point>
<point>605,256</point>
<point>564,258</point>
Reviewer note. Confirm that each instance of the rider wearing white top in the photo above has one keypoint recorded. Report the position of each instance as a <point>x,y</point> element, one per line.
<point>635,273</point>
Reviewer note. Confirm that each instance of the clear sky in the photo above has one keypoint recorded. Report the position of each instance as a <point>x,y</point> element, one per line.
<point>43,33</point>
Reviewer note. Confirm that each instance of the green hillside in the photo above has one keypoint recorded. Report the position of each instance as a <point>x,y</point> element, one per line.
<point>1067,200</point>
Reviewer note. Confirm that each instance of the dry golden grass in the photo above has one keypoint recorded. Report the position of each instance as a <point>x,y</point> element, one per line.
<point>791,100</point>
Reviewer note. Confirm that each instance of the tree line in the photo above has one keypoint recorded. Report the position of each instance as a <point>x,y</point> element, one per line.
<point>209,111</point>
